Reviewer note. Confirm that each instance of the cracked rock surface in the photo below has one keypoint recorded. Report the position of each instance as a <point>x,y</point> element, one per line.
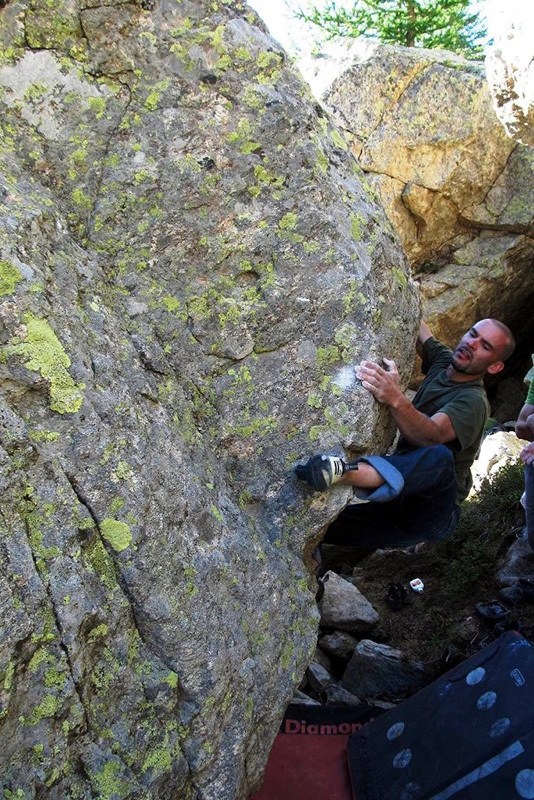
<point>190,268</point>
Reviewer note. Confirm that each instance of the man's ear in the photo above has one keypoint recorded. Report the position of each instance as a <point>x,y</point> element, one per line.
<point>496,367</point>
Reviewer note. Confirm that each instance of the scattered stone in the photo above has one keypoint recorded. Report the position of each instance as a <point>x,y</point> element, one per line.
<point>320,657</point>
<point>339,644</point>
<point>517,563</point>
<point>384,704</point>
<point>376,670</point>
<point>302,699</point>
<point>336,695</point>
<point>519,593</point>
<point>343,606</point>
<point>318,677</point>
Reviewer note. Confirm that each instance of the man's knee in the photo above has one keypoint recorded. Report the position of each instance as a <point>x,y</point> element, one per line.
<point>393,481</point>
<point>437,454</point>
<point>438,458</point>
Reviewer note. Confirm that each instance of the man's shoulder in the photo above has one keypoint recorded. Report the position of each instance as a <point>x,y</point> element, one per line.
<point>432,345</point>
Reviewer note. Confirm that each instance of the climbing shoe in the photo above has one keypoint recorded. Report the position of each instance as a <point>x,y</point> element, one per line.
<point>493,611</point>
<point>397,596</point>
<point>322,471</point>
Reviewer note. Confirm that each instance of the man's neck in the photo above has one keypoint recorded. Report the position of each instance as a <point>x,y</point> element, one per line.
<point>461,377</point>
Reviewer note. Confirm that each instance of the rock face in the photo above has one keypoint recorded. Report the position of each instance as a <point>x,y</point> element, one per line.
<point>496,451</point>
<point>457,189</point>
<point>510,67</point>
<point>190,267</point>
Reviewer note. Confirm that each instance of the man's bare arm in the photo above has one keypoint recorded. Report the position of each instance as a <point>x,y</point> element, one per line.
<point>524,427</point>
<point>424,334</point>
<point>417,428</point>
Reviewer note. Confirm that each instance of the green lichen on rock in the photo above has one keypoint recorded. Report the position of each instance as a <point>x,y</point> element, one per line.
<point>6,681</point>
<point>123,471</point>
<point>288,221</point>
<point>43,436</point>
<point>338,139</point>
<point>399,277</point>
<point>356,225</point>
<point>47,708</point>
<point>42,352</point>
<point>50,24</point>
<point>117,533</point>
<point>326,356</point>
<point>171,303</point>
<point>108,781</point>
<point>9,277</point>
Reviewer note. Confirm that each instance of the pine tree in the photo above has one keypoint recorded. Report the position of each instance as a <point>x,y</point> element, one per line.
<point>446,24</point>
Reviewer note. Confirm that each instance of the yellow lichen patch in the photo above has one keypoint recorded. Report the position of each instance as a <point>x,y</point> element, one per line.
<point>42,352</point>
<point>118,534</point>
<point>9,277</point>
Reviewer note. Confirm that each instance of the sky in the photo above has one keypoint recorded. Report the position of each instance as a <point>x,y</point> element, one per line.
<point>293,34</point>
<point>297,37</point>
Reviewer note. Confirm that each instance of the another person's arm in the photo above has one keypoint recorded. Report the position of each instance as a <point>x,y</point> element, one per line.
<point>524,427</point>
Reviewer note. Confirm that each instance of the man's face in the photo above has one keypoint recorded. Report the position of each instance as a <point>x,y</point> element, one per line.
<point>479,351</point>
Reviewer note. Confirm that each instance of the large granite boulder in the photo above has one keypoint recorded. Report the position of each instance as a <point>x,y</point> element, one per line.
<point>190,268</point>
<point>457,189</point>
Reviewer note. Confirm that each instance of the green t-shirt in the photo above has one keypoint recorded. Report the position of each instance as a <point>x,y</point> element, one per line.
<point>530,395</point>
<point>465,403</point>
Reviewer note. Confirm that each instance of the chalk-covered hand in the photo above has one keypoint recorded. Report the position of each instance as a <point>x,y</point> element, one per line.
<point>382,382</point>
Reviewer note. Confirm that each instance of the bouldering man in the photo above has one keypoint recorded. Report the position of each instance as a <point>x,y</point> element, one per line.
<point>414,495</point>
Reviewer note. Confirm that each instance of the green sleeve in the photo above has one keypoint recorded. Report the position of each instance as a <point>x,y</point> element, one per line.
<point>530,396</point>
<point>468,413</point>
